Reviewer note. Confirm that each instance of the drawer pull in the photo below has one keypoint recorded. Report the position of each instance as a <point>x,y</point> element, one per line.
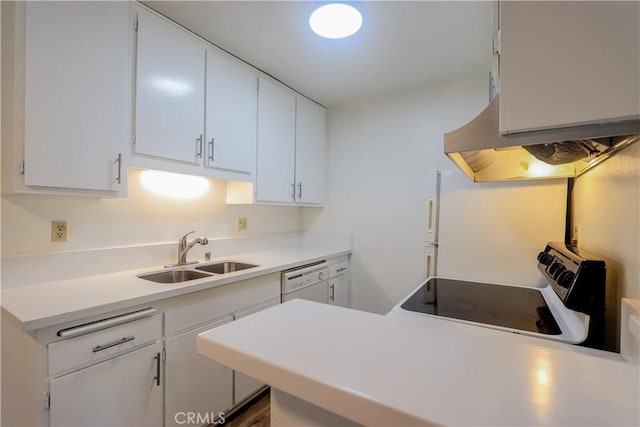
<point>113,344</point>
<point>341,269</point>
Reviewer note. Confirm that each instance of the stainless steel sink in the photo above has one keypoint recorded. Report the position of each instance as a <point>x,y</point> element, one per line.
<point>225,267</point>
<point>173,276</point>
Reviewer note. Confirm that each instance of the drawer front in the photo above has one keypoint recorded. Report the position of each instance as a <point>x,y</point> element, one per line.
<point>93,347</point>
<point>338,268</point>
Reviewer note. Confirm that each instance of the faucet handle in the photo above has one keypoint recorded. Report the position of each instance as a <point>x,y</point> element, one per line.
<point>184,238</point>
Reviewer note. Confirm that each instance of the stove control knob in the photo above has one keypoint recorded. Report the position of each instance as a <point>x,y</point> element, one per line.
<point>544,258</point>
<point>558,272</point>
<point>566,278</point>
<point>554,268</point>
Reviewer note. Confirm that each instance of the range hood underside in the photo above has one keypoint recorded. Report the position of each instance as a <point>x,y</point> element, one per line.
<point>484,155</point>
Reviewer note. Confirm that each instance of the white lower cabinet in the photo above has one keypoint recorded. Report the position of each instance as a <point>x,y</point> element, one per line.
<point>194,384</point>
<point>135,367</point>
<point>122,391</point>
<point>339,280</point>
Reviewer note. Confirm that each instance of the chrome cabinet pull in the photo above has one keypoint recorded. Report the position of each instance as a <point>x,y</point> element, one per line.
<point>119,161</point>
<point>341,269</point>
<point>199,146</point>
<point>430,222</point>
<point>300,190</point>
<point>428,266</point>
<point>157,377</point>
<point>293,188</point>
<point>113,344</point>
<point>211,146</point>
<point>333,292</point>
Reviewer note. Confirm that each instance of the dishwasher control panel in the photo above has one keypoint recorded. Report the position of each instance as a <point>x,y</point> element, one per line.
<point>304,276</point>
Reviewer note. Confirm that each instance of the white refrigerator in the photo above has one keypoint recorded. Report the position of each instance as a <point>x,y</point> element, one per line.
<point>431,229</point>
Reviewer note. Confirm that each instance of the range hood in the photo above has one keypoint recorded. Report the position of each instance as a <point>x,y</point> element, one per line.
<point>485,155</point>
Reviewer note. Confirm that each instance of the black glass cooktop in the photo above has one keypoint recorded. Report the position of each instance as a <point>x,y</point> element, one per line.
<point>507,306</point>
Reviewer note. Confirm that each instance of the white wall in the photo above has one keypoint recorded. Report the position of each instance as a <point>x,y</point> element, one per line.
<point>378,152</point>
<point>606,208</point>
<point>140,218</point>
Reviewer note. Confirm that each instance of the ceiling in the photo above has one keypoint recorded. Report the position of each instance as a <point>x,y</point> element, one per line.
<point>401,45</point>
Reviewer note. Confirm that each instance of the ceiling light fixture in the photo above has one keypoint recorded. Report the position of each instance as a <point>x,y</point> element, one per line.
<point>335,20</point>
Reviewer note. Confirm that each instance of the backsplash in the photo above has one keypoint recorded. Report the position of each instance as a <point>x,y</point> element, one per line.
<point>139,219</point>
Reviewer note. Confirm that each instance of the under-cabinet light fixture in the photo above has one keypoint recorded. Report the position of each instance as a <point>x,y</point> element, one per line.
<point>335,20</point>
<point>174,185</point>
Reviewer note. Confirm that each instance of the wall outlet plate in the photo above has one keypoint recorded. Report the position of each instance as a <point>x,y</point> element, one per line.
<point>59,230</point>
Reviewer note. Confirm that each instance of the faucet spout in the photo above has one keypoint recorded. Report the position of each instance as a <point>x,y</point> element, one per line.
<point>184,247</point>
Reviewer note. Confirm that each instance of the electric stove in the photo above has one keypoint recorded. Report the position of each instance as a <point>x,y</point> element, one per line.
<point>569,307</point>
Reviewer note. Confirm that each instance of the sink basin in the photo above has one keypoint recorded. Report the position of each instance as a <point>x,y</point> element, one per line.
<point>173,276</point>
<point>225,267</point>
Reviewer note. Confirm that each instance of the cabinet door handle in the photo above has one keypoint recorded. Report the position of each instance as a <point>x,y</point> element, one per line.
<point>199,146</point>
<point>157,377</point>
<point>428,266</point>
<point>119,161</point>
<point>333,292</point>
<point>341,269</point>
<point>211,146</point>
<point>113,344</point>
<point>293,188</point>
<point>300,190</point>
<point>430,221</point>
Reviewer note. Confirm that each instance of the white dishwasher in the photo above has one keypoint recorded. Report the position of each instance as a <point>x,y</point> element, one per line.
<point>308,282</point>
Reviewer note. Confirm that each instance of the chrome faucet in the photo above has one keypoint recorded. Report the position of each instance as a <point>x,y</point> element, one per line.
<point>184,247</point>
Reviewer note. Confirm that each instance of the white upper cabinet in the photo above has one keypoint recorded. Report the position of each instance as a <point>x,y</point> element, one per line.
<point>231,114</point>
<point>276,143</point>
<point>76,95</point>
<point>170,90</point>
<point>568,63</point>
<point>310,152</point>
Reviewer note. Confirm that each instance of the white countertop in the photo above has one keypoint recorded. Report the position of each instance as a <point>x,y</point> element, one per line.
<point>41,305</point>
<point>386,370</point>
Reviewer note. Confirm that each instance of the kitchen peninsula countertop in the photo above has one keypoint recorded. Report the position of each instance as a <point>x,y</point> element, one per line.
<point>52,303</point>
<point>386,370</point>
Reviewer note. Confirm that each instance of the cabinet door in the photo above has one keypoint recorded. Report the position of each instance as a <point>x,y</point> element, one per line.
<point>339,290</point>
<point>169,91</point>
<point>77,94</point>
<point>231,114</point>
<point>244,386</point>
<point>568,63</point>
<point>119,392</point>
<point>194,383</point>
<point>310,152</point>
<point>276,143</point>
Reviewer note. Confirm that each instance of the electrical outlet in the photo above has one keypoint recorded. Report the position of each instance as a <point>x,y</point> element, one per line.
<point>59,231</point>
<point>242,224</point>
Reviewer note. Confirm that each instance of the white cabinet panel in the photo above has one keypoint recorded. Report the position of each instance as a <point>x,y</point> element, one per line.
<point>194,383</point>
<point>231,114</point>
<point>170,75</point>
<point>568,63</point>
<point>339,291</point>
<point>276,143</point>
<point>119,392</point>
<point>77,94</point>
<point>310,152</point>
